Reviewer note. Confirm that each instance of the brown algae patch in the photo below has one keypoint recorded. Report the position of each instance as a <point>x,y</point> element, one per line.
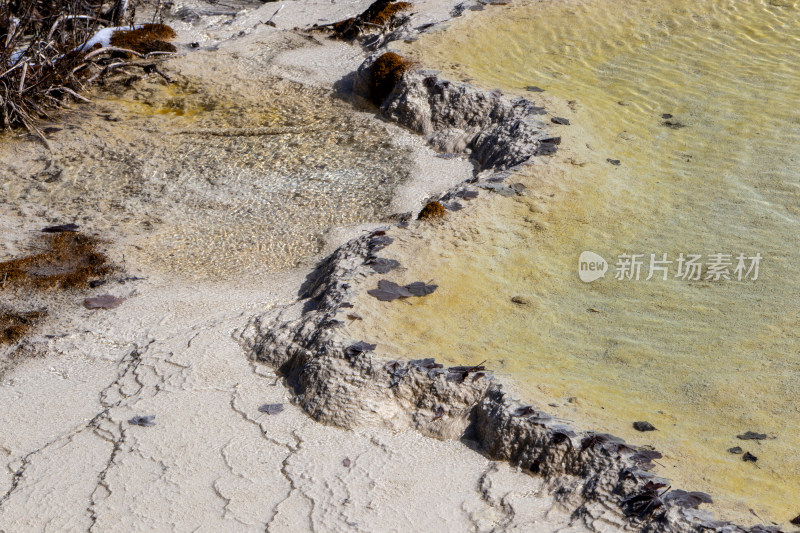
<point>147,39</point>
<point>69,260</point>
<point>432,210</point>
<point>15,325</point>
<point>703,361</point>
<point>386,72</point>
<point>379,16</point>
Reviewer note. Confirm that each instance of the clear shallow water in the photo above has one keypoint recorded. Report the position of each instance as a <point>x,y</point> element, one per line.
<point>702,360</point>
<point>208,180</point>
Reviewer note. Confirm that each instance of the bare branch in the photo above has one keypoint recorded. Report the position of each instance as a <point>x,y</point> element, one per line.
<point>106,49</point>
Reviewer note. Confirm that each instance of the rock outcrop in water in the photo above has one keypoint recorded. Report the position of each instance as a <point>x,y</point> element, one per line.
<point>338,381</point>
<point>496,132</point>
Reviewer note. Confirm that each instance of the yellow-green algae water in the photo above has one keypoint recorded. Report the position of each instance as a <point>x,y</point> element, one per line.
<point>703,360</point>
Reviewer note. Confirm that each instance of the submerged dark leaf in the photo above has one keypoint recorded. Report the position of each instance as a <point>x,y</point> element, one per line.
<point>61,228</point>
<point>144,421</point>
<point>271,408</point>
<point>382,265</point>
<point>105,301</point>
<point>551,140</point>
<point>643,426</point>
<point>358,348</point>
<point>388,291</point>
<point>396,369</point>
<point>534,89</point>
<point>467,195</point>
<point>749,457</point>
<point>752,435</point>
<point>561,121</point>
<point>673,124</point>
<point>424,364</point>
<point>459,373</point>
<point>346,462</point>
<point>619,447</point>
<point>714,524</point>
<point>795,521</point>
<point>687,499</point>
<point>380,241</point>
<point>526,410</point>
<point>562,434</point>
<point>419,288</point>
<point>645,456</point>
<point>598,439</point>
<point>499,188</point>
<point>736,449</point>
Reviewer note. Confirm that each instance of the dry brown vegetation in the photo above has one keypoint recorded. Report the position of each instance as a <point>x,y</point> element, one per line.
<point>432,210</point>
<point>386,72</point>
<point>380,15</point>
<point>70,260</point>
<point>42,62</point>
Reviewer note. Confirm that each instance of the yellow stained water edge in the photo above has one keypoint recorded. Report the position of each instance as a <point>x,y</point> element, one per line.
<point>703,360</point>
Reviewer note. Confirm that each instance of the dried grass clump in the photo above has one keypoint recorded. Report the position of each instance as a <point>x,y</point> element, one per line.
<point>70,261</point>
<point>14,326</point>
<point>432,210</point>
<point>386,72</point>
<point>42,62</point>
<point>145,40</point>
<point>381,15</point>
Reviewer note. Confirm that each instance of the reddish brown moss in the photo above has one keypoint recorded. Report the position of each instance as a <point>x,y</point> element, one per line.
<point>148,38</point>
<point>432,210</point>
<point>379,14</point>
<point>387,71</point>
<point>383,16</point>
<point>71,260</point>
<point>14,326</point>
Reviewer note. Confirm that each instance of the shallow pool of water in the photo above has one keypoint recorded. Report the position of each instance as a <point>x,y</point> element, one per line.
<point>208,179</point>
<point>697,102</point>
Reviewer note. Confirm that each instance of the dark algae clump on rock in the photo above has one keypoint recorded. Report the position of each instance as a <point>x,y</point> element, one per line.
<point>387,71</point>
<point>432,210</point>
<point>380,15</point>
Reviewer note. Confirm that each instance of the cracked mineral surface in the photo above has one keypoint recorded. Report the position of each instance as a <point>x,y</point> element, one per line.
<point>209,459</point>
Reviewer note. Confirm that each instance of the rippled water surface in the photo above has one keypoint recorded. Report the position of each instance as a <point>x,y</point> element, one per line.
<point>211,181</point>
<point>702,360</point>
